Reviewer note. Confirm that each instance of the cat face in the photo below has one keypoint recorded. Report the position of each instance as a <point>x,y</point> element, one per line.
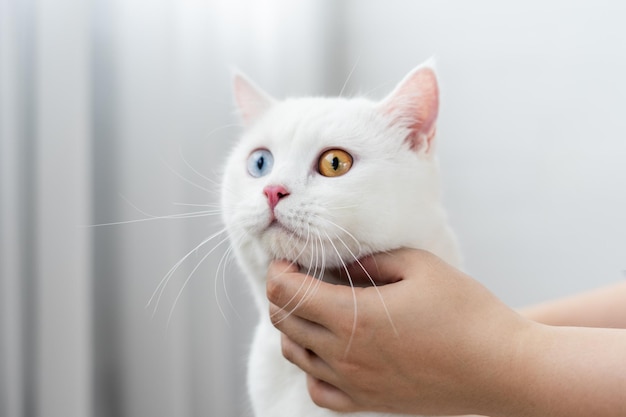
<point>323,181</point>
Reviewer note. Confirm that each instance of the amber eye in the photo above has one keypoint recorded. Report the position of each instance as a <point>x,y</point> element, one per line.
<point>334,163</point>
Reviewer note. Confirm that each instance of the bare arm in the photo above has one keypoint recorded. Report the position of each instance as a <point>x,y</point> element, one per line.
<point>573,372</point>
<point>603,307</point>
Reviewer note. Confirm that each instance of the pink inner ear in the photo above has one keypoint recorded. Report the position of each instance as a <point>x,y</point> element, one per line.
<point>251,101</point>
<point>415,103</point>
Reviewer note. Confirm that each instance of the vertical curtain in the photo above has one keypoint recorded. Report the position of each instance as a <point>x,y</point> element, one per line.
<point>119,113</point>
<point>46,255</point>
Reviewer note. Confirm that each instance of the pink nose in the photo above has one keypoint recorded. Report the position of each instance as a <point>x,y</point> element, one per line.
<point>274,194</point>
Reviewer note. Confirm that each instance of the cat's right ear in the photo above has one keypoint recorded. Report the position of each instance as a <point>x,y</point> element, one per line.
<point>252,102</point>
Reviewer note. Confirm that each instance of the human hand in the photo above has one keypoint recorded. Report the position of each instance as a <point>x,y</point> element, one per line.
<point>427,340</point>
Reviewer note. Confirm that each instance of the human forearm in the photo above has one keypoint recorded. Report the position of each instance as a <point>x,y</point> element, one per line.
<point>568,371</point>
<point>603,307</point>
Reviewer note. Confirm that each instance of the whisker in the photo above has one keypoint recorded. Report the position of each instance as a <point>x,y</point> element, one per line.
<point>318,273</point>
<point>236,193</point>
<point>380,295</point>
<point>170,217</point>
<point>130,203</point>
<point>343,230</point>
<point>217,129</point>
<point>191,215</point>
<point>180,292</point>
<point>202,213</point>
<point>229,260</point>
<point>215,287</point>
<point>320,265</point>
<point>319,269</point>
<point>196,205</point>
<point>187,180</point>
<point>351,206</point>
<point>384,85</point>
<point>349,76</point>
<point>163,283</point>
<point>299,288</point>
<point>195,171</point>
<point>308,272</point>
<point>345,267</point>
<point>222,264</point>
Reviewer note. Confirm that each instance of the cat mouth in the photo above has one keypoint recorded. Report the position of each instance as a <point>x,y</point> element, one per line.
<point>276,226</point>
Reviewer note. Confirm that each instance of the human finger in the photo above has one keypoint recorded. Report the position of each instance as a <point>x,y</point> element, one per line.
<point>305,333</point>
<point>326,395</point>
<point>382,268</point>
<point>306,359</point>
<point>280,267</point>
<point>316,301</point>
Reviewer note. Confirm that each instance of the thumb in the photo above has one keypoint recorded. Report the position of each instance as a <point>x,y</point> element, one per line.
<point>383,268</point>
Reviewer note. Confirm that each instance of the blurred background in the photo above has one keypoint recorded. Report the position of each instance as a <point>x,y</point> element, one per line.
<point>113,111</point>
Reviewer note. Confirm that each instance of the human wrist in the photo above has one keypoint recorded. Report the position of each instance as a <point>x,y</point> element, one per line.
<point>508,384</point>
<point>566,371</point>
<point>525,388</point>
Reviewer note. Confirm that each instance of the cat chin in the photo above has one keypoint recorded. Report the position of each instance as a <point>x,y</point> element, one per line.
<point>312,255</point>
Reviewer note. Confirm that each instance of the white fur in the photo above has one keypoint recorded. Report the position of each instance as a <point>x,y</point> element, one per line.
<point>389,199</point>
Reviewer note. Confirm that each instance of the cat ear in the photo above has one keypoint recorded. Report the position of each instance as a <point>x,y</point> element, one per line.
<point>251,101</point>
<point>414,103</point>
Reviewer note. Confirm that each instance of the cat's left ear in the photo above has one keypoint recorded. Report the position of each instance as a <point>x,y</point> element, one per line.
<point>252,102</point>
<point>414,103</point>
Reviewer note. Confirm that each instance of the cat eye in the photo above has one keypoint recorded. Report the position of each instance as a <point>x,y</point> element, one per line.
<point>260,163</point>
<point>334,163</point>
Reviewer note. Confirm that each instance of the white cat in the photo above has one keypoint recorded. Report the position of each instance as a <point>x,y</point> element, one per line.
<point>322,182</point>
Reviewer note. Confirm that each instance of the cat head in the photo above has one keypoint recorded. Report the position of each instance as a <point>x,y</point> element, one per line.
<point>322,181</point>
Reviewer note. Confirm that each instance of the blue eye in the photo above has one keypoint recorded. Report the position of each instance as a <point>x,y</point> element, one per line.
<point>260,163</point>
